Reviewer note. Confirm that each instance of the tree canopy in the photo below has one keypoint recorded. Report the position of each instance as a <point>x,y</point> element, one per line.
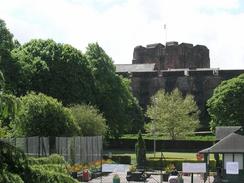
<point>8,108</point>
<point>172,114</point>
<point>58,70</point>
<point>90,121</point>
<point>113,95</point>
<point>226,106</point>
<point>63,72</point>
<point>41,115</point>
<point>6,39</point>
<point>6,45</point>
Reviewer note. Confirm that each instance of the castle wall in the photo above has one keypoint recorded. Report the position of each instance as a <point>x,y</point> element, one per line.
<point>199,83</point>
<point>173,56</point>
<point>177,66</point>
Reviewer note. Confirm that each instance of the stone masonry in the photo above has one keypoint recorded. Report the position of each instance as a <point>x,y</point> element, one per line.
<point>183,66</point>
<point>172,56</point>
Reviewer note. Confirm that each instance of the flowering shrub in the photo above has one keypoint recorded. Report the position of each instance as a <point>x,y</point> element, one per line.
<point>92,166</point>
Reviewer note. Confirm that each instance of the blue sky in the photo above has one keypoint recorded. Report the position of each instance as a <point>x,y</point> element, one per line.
<point>120,25</point>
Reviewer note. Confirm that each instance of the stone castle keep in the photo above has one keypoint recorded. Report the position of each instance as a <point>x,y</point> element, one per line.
<point>182,66</point>
<point>173,56</point>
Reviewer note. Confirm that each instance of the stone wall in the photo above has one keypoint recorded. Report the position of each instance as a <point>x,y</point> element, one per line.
<point>172,56</point>
<point>182,66</point>
<point>198,83</point>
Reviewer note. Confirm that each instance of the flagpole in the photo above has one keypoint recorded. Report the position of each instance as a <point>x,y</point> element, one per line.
<point>165,31</point>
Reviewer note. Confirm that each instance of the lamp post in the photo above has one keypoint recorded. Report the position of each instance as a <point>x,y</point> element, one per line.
<point>154,141</point>
<point>154,128</point>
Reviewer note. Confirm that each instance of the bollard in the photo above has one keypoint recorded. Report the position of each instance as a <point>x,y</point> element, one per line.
<point>181,180</point>
<point>116,179</point>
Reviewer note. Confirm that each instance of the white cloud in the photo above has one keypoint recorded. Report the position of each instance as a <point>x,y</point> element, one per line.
<point>118,26</point>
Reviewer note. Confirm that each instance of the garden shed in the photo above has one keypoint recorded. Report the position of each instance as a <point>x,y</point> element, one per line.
<point>229,154</point>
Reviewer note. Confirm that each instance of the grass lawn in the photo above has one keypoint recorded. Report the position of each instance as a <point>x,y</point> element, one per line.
<point>167,155</point>
<point>206,137</point>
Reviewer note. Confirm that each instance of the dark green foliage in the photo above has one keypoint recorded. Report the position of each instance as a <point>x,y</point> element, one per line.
<point>12,159</point>
<point>9,106</point>
<point>41,175</point>
<point>49,169</point>
<point>6,42</point>
<point>52,159</point>
<point>113,95</point>
<point>30,72</point>
<point>6,39</point>
<point>140,151</point>
<point>58,70</point>
<point>226,106</point>
<point>63,72</point>
<point>123,159</point>
<point>2,81</point>
<point>6,45</point>
<point>41,115</point>
<point>14,167</point>
<point>8,177</point>
<point>90,121</point>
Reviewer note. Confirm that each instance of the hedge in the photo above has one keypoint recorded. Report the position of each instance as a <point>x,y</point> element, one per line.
<point>164,145</point>
<point>119,159</point>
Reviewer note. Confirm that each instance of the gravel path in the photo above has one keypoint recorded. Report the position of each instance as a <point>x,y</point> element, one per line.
<point>152,179</point>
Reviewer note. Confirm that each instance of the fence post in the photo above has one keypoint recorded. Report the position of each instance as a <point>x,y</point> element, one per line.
<point>52,145</point>
<point>39,146</point>
<point>26,144</point>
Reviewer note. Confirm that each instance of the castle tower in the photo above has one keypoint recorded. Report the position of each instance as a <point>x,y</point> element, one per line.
<point>172,56</point>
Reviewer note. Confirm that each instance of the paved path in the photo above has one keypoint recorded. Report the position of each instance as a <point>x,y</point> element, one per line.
<point>152,179</point>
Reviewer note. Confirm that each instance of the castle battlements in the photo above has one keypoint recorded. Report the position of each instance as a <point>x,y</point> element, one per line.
<point>172,56</point>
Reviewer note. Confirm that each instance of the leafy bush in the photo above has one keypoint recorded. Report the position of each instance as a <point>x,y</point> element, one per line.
<point>12,159</point>
<point>8,177</point>
<point>89,119</point>
<point>226,106</point>
<point>40,175</point>
<point>52,159</point>
<point>60,168</point>
<point>41,115</point>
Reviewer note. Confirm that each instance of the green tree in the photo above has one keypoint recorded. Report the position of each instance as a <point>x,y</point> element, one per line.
<point>57,70</point>
<point>113,95</point>
<point>226,106</point>
<point>8,108</point>
<point>172,114</point>
<point>140,151</point>
<point>89,119</point>
<point>6,40</point>
<point>41,115</point>
<point>30,73</point>
<point>6,45</point>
